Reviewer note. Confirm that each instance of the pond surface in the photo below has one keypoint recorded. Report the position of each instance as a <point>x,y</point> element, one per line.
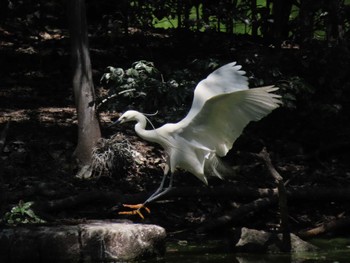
<point>331,251</point>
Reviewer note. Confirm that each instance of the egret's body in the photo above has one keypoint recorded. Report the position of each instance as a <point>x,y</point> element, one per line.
<point>222,106</point>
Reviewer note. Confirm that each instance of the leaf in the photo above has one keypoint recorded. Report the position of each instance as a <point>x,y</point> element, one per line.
<point>117,75</point>
<point>132,73</point>
<point>106,76</point>
<point>16,210</point>
<point>111,69</point>
<point>30,213</point>
<point>27,205</point>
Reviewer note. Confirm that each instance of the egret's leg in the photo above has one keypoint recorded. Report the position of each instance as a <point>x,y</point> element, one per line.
<point>159,192</point>
<point>161,186</point>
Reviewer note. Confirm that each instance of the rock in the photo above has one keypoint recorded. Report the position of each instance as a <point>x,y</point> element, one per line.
<point>251,240</point>
<point>35,243</point>
<point>121,242</point>
<point>98,241</point>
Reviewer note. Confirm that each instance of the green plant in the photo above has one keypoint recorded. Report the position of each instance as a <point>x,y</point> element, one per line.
<point>22,214</point>
<point>143,86</point>
<point>295,90</point>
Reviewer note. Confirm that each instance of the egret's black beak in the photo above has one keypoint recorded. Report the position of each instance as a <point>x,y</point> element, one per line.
<point>114,123</point>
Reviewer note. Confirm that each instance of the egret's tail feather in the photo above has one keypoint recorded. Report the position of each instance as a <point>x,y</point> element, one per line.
<point>215,166</point>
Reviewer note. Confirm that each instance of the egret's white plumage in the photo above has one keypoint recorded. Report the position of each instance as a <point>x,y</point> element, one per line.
<point>222,106</point>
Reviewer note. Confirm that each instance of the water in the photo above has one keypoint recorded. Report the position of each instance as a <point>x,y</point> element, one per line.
<point>332,251</point>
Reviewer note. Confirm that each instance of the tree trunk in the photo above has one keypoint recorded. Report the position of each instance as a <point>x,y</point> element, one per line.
<point>88,125</point>
<point>198,24</point>
<point>281,11</point>
<point>186,10</point>
<point>179,14</point>
<point>306,16</point>
<point>335,22</point>
<point>254,18</point>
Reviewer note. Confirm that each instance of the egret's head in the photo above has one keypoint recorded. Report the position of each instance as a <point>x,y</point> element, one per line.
<point>127,116</point>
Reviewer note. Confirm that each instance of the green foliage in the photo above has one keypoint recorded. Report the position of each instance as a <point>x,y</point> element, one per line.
<point>143,86</point>
<point>295,89</point>
<point>22,214</point>
<point>140,72</point>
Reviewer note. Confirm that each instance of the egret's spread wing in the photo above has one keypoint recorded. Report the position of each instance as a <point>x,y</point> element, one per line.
<point>226,79</point>
<point>222,118</point>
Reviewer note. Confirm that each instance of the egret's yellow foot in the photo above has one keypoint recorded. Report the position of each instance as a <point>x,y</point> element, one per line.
<point>137,210</point>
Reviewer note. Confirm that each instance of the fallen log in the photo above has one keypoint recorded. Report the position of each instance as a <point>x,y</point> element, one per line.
<point>238,214</point>
<point>228,192</point>
<point>332,226</point>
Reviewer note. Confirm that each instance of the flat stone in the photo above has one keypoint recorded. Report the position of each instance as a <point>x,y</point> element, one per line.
<point>258,241</point>
<point>124,242</point>
<point>85,242</point>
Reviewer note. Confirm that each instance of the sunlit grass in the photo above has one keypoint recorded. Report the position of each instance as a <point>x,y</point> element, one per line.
<point>239,27</point>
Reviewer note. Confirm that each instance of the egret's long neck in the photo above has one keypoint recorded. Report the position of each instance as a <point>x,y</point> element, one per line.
<point>149,135</point>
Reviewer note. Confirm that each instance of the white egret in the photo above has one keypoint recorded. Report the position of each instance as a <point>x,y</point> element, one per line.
<point>222,106</point>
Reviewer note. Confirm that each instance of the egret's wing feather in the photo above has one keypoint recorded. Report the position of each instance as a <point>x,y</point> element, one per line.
<point>226,79</point>
<point>222,106</point>
<point>223,117</point>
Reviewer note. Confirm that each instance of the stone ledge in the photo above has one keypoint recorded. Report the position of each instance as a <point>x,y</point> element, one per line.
<point>97,241</point>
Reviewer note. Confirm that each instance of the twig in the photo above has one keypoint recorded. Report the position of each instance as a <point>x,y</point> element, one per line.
<point>103,101</point>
